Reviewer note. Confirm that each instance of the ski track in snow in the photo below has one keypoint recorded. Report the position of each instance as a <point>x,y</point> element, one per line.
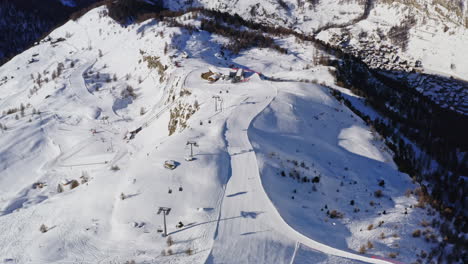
<point>229,215</point>
<point>247,210</point>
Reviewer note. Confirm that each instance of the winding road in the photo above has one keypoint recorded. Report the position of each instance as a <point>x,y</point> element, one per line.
<point>367,8</point>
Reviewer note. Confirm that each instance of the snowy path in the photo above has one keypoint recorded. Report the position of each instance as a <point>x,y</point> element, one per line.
<point>77,83</point>
<point>250,228</point>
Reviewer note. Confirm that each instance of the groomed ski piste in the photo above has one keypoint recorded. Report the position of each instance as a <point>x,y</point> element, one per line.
<point>240,199</point>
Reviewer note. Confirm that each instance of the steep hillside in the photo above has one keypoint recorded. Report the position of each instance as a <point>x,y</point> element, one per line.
<point>305,15</point>
<point>98,121</point>
<point>401,36</point>
<point>23,22</point>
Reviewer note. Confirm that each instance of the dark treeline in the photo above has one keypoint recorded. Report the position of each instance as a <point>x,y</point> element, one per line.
<point>127,11</point>
<point>406,160</point>
<point>241,39</point>
<point>439,133</point>
<point>22,22</point>
<point>222,24</point>
<point>399,34</point>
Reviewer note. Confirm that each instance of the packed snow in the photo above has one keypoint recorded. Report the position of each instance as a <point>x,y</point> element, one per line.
<point>105,106</point>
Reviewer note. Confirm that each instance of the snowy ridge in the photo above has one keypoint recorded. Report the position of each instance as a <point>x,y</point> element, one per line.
<point>105,106</point>
<point>254,203</point>
<point>436,25</point>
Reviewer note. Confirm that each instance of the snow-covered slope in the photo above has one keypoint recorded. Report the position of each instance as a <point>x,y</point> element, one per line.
<point>402,36</point>
<point>92,113</point>
<point>22,22</point>
<point>301,14</point>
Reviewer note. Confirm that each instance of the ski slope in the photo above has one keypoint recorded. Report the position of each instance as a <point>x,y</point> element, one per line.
<point>234,206</point>
<point>259,224</point>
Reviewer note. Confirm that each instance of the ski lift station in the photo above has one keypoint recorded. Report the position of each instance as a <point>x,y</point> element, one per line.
<point>234,75</point>
<point>239,75</point>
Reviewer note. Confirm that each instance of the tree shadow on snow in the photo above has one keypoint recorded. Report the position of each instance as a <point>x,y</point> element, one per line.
<point>331,160</point>
<point>242,152</point>
<point>255,232</point>
<point>253,215</point>
<point>236,194</point>
<point>131,195</point>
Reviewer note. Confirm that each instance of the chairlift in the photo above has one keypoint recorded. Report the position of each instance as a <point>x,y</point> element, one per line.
<point>169,191</point>
<point>181,189</point>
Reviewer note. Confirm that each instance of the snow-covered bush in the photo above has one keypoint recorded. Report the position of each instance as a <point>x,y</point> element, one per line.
<point>169,241</point>
<point>336,214</point>
<point>381,183</point>
<point>362,249</point>
<point>378,193</point>
<point>43,228</point>
<point>129,91</point>
<point>416,233</point>
<point>59,188</point>
<point>74,184</point>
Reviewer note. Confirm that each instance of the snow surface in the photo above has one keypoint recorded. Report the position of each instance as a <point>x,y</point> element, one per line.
<point>438,39</point>
<point>305,17</point>
<point>235,205</point>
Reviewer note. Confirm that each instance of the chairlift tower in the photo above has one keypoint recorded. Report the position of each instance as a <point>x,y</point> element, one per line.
<point>192,144</point>
<point>220,104</point>
<point>216,98</point>
<point>165,211</point>
<point>111,146</point>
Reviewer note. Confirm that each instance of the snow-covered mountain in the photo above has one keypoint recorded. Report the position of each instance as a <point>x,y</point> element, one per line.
<point>420,31</point>
<point>286,169</point>
<point>22,22</point>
